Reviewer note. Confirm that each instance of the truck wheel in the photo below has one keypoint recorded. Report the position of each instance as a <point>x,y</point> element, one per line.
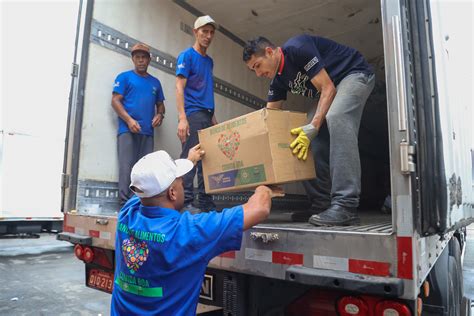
<point>455,296</point>
<point>446,288</point>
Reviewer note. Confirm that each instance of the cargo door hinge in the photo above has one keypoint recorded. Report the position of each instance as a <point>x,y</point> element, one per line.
<point>64,181</point>
<point>407,152</point>
<point>75,70</point>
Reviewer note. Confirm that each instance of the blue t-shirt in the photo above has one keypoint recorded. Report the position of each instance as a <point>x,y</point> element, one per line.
<point>199,90</point>
<point>303,58</point>
<point>161,256</point>
<point>140,95</point>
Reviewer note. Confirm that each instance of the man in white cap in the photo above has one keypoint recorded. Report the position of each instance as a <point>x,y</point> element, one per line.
<point>195,104</point>
<point>161,254</point>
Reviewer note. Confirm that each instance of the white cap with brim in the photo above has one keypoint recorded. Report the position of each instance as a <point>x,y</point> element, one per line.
<point>204,20</point>
<point>155,172</point>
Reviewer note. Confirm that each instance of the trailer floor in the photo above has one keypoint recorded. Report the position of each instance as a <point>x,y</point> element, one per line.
<point>371,222</point>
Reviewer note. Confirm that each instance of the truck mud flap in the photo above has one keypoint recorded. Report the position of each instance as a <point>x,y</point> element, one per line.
<point>345,281</point>
<point>75,238</point>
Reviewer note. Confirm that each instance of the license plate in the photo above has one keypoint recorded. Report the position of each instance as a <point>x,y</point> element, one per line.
<point>100,280</point>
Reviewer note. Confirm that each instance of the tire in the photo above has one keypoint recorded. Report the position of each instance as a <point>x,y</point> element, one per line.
<point>455,295</point>
<point>455,278</point>
<point>445,279</point>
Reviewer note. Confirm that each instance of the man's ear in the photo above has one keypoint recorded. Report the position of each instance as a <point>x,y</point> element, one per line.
<point>268,51</point>
<point>172,193</point>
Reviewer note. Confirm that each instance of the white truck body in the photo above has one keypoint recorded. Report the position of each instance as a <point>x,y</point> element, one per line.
<point>33,111</point>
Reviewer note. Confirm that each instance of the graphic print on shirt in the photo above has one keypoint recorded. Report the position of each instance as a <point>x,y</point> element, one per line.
<point>135,253</point>
<point>298,85</point>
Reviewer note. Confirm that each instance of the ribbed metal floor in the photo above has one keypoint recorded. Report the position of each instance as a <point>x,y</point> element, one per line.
<point>372,222</point>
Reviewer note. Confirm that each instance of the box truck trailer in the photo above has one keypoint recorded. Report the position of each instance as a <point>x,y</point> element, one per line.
<point>416,148</point>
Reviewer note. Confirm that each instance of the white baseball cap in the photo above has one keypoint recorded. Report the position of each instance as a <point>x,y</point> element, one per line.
<point>204,20</point>
<point>155,172</point>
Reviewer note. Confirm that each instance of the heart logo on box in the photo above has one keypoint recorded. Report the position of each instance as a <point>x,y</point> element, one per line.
<point>135,253</point>
<point>229,144</point>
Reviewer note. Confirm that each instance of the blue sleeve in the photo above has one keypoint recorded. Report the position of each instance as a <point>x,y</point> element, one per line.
<point>276,92</point>
<point>218,232</point>
<point>307,57</point>
<point>120,84</point>
<point>160,97</point>
<point>183,65</point>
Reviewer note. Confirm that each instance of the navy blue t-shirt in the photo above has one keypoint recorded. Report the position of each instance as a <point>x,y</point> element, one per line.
<point>304,56</point>
<point>161,256</point>
<point>199,90</point>
<point>140,95</point>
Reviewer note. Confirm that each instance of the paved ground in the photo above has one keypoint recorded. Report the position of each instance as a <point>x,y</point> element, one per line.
<point>42,277</point>
<point>468,268</point>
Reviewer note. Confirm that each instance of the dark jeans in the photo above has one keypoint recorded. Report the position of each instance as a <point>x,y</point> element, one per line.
<point>335,149</point>
<point>131,147</point>
<point>197,121</point>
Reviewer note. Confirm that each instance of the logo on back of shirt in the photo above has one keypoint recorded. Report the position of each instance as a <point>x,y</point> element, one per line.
<point>155,90</point>
<point>135,253</point>
<point>298,85</point>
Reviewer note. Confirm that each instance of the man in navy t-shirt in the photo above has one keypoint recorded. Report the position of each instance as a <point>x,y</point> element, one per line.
<point>195,104</point>
<point>340,80</point>
<point>161,254</point>
<point>138,101</point>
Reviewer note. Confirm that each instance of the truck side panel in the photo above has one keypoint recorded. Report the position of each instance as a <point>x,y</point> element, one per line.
<point>166,29</point>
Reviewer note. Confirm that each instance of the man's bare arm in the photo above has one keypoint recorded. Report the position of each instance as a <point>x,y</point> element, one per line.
<point>183,125</point>
<point>118,107</point>
<point>324,84</point>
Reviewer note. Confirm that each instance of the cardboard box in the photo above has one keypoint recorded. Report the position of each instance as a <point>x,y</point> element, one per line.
<point>253,149</point>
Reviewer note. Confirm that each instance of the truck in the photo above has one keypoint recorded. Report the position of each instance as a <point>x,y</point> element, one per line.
<point>416,148</point>
<point>32,149</point>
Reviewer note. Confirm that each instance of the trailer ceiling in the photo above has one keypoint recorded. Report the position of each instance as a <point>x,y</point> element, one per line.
<point>356,23</point>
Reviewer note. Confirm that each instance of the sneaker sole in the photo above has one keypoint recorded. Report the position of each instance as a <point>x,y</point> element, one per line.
<point>347,222</point>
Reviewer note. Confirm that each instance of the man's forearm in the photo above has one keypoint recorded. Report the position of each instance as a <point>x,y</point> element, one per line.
<point>160,108</point>
<point>324,104</point>
<point>120,110</point>
<point>180,104</point>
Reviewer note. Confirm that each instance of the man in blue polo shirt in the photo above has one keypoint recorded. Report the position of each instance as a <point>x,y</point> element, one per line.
<point>315,66</point>
<point>138,101</point>
<point>195,104</point>
<point>161,254</point>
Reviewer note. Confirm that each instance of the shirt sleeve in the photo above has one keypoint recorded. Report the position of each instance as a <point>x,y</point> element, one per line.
<point>160,97</point>
<point>183,65</point>
<point>120,84</point>
<point>276,92</point>
<point>218,232</point>
<point>307,58</point>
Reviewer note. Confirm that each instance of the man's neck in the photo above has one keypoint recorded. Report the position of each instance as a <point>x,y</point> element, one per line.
<point>279,58</point>
<point>201,50</point>
<point>141,74</point>
<point>157,202</point>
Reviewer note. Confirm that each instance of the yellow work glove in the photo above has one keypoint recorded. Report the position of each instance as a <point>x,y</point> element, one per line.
<point>304,134</point>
